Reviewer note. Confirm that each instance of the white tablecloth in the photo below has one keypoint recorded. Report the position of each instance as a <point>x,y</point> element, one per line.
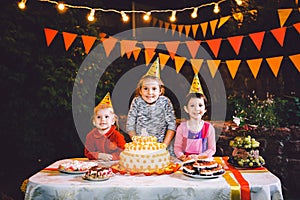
<point>52,184</point>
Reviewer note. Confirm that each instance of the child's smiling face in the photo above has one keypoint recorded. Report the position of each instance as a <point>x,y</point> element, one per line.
<point>104,119</point>
<point>150,90</point>
<point>195,108</point>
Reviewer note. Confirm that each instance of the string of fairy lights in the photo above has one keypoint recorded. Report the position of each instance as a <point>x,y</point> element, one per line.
<point>124,13</point>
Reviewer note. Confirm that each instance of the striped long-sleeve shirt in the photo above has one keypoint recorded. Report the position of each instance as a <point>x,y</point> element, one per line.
<point>155,118</point>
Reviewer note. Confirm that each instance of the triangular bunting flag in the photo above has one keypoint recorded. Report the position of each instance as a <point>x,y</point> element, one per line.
<point>109,44</point>
<point>214,45</point>
<point>274,64</point>
<point>172,47</point>
<point>136,53</point>
<point>187,29</point>
<point>154,21</point>
<point>194,29</point>
<point>150,46</point>
<point>173,27</point>
<point>167,24</point>
<point>283,15</point>
<point>257,39</point>
<point>297,26</point>
<point>236,42</point>
<point>193,47</point>
<point>128,54</point>
<point>160,22</point>
<point>163,59</point>
<point>296,61</point>
<point>88,42</point>
<point>213,24</point>
<point>68,39</point>
<point>196,65</point>
<point>50,35</point>
<point>149,54</point>
<point>233,66</point>
<point>127,46</point>
<point>179,61</point>
<point>204,28</point>
<point>279,34</point>
<point>180,28</point>
<point>213,66</point>
<point>254,65</point>
<point>223,20</point>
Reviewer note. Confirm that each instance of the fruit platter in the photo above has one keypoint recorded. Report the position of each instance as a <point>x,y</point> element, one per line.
<point>245,153</point>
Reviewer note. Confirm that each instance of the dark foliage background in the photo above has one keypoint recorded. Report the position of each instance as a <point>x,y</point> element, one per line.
<point>36,81</point>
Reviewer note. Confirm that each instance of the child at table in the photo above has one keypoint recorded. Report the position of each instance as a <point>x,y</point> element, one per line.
<point>195,138</point>
<point>151,113</point>
<point>104,142</point>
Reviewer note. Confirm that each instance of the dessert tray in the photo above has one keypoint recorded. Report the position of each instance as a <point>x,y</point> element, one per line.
<point>75,166</point>
<point>202,169</point>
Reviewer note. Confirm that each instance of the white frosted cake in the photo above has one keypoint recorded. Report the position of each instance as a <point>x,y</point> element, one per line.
<point>144,153</point>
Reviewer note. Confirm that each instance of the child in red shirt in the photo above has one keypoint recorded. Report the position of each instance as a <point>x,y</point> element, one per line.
<point>104,142</point>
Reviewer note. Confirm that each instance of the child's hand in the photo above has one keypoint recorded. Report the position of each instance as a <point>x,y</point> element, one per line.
<point>182,158</point>
<point>104,156</point>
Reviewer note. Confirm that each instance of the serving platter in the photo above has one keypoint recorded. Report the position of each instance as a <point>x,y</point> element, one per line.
<point>198,176</point>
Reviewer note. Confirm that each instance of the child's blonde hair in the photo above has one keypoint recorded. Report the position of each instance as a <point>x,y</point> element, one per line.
<point>147,77</point>
<point>106,106</point>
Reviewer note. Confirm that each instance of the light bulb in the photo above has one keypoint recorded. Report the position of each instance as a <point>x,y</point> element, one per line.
<point>146,17</point>
<point>173,16</point>
<point>22,5</point>
<point>61,6</point>
<point>91,15</point>
<point>125,18</point>
<point>216,8</point>
<point>239,2</point>
<point>194,13</point>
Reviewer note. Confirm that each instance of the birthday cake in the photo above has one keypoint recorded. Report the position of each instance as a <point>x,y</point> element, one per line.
<point>144,154</point>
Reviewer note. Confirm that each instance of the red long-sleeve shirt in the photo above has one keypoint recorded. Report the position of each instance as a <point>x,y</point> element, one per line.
<point>111,143</point>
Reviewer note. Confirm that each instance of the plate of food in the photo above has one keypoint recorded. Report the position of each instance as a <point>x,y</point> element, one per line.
<point>204,169</point>
<point>246,163</point>
<point>75,166</point>
<point>98,173</point>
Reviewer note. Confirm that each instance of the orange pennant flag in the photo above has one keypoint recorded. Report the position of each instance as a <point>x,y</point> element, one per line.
<point>213,66</point>
<point>68,39</point>
<point>149,54</point>
<point>109,44</point>
<point>167,24</point>
<point>233,66</point>
<point>195,29</point>
<point>163,58</point>
<point>257,39</point>
<point>204,28</point>
<point>193,47</point>
<point>173,27</point>
<point>136,53</point>
<point>254,65</point>
<point>172,47</point>
<point>236,42</point>
<point>279,34</point>
<point>297,26</point>
<point>154,21</point>
<point>179,61</point>
<point>214,45</point>
<point>296,61</point>
<point>88,42</point>
<point>213,24</point>
<point>223,20</point>
<point>283,15</point>
<point>128,54</point>
<point>150,46</point>
<point>274,64</point>
<point>127,46</point>
<point>180,28</point>
<point>196,65</point>
<point>50,35</point>
<point>187,29</point>
<point>160,23</point>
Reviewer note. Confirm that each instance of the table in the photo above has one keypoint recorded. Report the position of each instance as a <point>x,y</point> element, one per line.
<point>49,183</point>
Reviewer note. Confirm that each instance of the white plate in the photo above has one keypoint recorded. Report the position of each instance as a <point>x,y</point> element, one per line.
<point>204,177</point>
<point>72,172</point>
<point>95,179</point>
